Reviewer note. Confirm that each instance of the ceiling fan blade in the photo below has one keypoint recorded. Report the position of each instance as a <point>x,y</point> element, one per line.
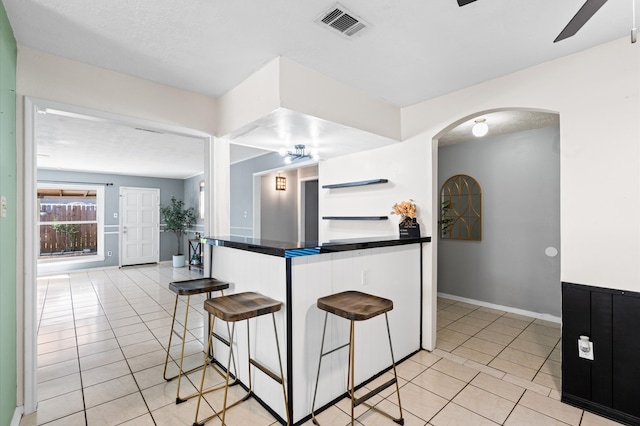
<point>584,14</point>
<point>464,2</point>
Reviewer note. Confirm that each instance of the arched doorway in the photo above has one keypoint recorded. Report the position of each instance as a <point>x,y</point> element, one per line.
<point>514,266</point>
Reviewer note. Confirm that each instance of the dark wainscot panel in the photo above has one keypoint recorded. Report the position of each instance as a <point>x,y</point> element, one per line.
<point>610,384</point>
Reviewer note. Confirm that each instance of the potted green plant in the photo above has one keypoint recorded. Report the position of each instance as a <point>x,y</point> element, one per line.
<point>446,220</point>
<point>178,219</point>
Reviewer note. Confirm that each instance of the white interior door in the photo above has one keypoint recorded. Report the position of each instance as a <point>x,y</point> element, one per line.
<point>139,226</point>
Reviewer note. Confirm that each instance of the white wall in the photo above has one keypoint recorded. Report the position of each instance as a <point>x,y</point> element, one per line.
<point>51,78</point>
<point>252,99</point>
<point>405,165</point>
<point>307,91</point>
<point>45,76</point>
<point>283,83</point>
<point>596,94</point>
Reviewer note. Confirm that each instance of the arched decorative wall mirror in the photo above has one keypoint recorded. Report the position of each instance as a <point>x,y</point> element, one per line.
<point>201,199</point>
<point>461,209</point>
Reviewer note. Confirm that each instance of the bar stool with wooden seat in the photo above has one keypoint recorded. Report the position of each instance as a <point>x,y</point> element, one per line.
<point>188,288</point>
<point>356,306</point>
<point>234,308</point>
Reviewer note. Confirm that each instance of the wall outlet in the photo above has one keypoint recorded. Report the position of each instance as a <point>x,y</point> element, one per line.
<point>115,215</point>
<point>3,206</point>
<point>109,253</point>
<point>585,349</point>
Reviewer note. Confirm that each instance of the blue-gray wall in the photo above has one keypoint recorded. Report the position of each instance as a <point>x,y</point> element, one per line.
<point>520,179</point>
<point>191,191</point>
<point>241,191</point>
<point>311,217</point>
<point>279,209</point>
<point>168,187</point>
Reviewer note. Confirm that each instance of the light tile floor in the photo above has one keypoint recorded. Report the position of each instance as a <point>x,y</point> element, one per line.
<point>102,334</point>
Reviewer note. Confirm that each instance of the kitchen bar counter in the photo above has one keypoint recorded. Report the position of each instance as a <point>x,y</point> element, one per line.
<point>298,273</point>
<point>308,248</point>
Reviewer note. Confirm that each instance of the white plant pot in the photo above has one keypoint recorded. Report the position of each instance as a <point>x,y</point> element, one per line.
<point>179,260</point>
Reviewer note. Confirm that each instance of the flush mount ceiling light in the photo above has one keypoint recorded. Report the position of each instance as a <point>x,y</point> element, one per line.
<point>480,128</point>
<point>298,154</point>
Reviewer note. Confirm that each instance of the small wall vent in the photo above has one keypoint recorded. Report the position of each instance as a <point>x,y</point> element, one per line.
<point>342,20</point>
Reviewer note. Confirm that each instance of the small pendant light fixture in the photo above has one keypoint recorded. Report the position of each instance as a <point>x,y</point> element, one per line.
<point>480,128</point>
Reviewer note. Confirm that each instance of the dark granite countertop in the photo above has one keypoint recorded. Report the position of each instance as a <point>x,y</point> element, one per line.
<point>308,248</point>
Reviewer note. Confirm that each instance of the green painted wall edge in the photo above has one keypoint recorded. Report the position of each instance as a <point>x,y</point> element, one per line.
<point>8,331</point>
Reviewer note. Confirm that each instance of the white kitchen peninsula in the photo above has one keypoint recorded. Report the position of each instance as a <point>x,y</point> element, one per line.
<point>298,274</point>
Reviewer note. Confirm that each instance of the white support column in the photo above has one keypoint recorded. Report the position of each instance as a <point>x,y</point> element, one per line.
<point>219,195</point>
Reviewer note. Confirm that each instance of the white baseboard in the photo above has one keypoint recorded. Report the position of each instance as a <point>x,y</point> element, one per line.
<point>546,317</point>
<point>17,415</point>
<point>71,271</point>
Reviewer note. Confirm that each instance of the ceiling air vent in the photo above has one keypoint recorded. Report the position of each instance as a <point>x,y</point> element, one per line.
<point>342,20</point>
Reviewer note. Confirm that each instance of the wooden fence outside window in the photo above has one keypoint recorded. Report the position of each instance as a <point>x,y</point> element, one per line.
<point>68,230</point>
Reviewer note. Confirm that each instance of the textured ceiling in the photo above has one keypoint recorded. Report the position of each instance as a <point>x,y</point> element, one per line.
<point>413,50</point>
<point>85,144</point>
<point>501,123</point>
<point>285,128</point>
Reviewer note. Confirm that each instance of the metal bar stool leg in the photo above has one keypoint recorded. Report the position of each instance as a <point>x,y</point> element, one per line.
<point>209,361</point>
<point>204,373</point>
<point>315,392</point>
<point>188,288</point>
<point>259,366</point>
<point>284,390</point>
<point>226,376</point>
<point>226,379</point>
<point>241,307</point>
<point>184,337</point>
<point>362,400</point>
<point>399,420</point>
<point>322,355</point>
<point>166,360</point>
<point>351,371</point>
<point>181,372</point>
<point>248,363</point>
<point>357,306</point>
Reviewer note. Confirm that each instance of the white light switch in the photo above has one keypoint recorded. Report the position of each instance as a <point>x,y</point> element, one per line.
<point>3,206</point>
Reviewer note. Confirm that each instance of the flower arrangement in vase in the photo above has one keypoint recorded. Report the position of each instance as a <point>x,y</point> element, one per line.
<point>408,226</point>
